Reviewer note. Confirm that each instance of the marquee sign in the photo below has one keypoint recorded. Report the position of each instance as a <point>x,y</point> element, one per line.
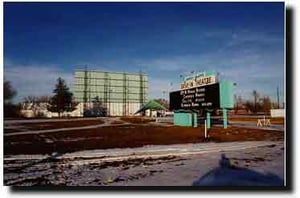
<point>198,81</point>
<point>200,97</point>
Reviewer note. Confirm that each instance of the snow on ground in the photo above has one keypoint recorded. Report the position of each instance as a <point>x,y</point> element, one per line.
<point>171,165</point>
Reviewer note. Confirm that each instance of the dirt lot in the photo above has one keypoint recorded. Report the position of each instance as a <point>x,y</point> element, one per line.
<point>137,120</point>
<point>128,136</point>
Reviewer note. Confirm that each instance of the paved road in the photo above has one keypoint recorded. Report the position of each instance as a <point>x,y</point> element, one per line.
<point>253,125</point>
<point>107,122</point>
<point>151,150</point>
<point>47,120</point>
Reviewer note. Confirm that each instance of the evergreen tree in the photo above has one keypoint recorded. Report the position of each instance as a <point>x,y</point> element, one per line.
<point>63,99</point>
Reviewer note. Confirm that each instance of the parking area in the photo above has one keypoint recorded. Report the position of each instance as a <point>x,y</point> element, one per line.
<point>131,151</point>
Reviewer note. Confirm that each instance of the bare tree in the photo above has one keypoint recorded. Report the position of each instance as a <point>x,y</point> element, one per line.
<point>9,92</point>
<point>36,100</point>
<point>163,102</point>
<point>43,99</point>
<point>30,99</point>
<point>235,104</point>
<point>238,103</point>
<point>10,109</point>
<point>266,104</point>
<point>248,105</point>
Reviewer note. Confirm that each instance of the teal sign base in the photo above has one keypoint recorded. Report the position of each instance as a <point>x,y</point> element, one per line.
<point>185,119</point>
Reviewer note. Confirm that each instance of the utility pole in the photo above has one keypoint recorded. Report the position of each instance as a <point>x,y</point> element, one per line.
<point>278,97</point>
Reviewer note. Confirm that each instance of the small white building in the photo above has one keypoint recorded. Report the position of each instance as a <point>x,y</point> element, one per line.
<point>32,110</point>
<point>277,113</point>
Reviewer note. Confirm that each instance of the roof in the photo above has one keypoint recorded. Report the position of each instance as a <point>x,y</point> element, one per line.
<point>153,105</point>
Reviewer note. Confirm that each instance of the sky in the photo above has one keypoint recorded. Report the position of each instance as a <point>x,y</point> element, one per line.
<point>243,42</point>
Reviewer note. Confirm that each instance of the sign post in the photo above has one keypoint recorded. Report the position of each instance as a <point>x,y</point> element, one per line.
<point>225,118</point>
<point>195,125</point>
<point>205,129</point>
<point>208,119</point>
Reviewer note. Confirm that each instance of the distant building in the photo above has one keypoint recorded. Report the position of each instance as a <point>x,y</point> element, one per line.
<point>39,109</point>
<point>121,94</point>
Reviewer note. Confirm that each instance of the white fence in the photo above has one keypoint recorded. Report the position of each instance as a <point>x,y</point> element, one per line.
<point>164,119</point>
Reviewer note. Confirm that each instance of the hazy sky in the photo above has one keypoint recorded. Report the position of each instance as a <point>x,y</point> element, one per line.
<point>244,42</point>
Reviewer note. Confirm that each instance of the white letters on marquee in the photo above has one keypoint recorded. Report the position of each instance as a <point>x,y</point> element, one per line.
<point>198,81</point>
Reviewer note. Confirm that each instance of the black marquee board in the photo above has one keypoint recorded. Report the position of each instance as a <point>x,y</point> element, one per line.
<point>204,97</point>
